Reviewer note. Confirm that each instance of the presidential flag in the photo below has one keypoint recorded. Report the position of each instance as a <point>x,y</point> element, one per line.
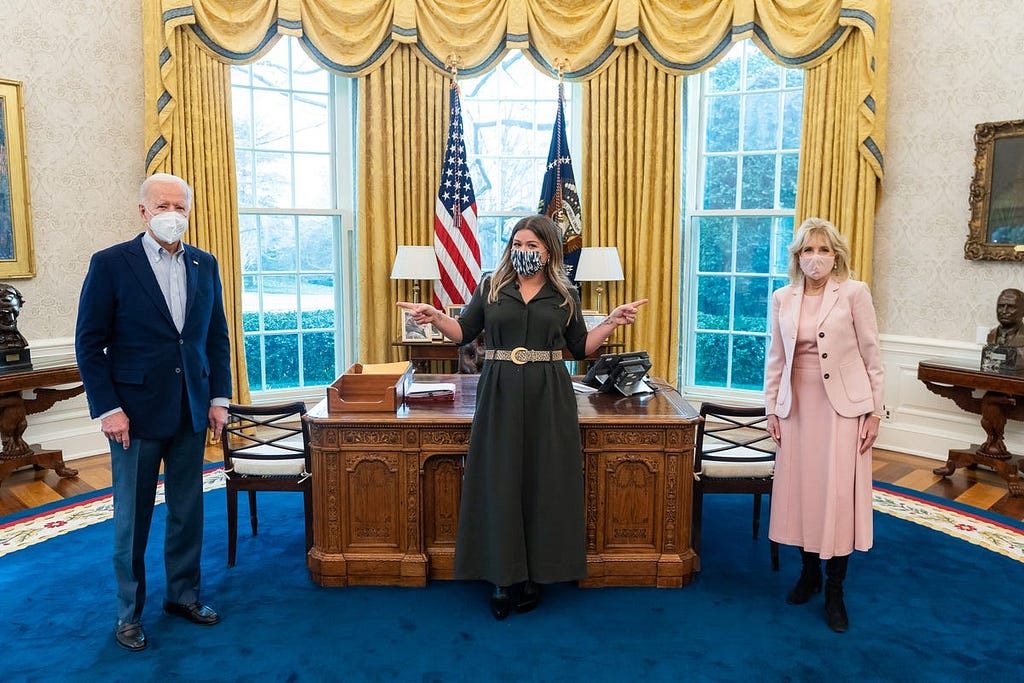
<point>559,197</point>
<point>455,236</point>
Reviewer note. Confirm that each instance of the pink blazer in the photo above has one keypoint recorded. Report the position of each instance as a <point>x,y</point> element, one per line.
<point>851,360</point>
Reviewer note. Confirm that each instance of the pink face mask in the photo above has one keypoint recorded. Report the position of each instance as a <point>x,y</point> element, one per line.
<point>817,266</point>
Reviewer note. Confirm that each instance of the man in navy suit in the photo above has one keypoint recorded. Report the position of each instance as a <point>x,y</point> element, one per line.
<point>153,351</point>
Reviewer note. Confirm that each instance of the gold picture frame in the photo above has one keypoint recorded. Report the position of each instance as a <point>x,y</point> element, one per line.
<point>996,230</point>
<point>17,259</point>
<point>455,311</point>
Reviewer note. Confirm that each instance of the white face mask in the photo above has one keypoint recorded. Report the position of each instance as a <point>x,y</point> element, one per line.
<point>817,266</point>
<point>169,226</point>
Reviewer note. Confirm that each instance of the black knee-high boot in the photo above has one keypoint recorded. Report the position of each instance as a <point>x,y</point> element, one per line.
<point>809,582</point>
<point>835,610</point>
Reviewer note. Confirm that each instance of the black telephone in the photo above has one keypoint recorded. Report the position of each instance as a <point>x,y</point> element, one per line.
<point>622,372</point>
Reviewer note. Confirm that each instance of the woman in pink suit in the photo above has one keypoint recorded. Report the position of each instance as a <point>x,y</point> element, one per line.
<point>823,396</point>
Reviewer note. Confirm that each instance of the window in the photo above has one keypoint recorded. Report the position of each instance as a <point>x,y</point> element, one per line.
<point>508,115</point>
<point>295,217</point>
<point>743,140</point>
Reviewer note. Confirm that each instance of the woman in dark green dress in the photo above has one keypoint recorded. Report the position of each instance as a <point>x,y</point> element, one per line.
<point>521,521</point>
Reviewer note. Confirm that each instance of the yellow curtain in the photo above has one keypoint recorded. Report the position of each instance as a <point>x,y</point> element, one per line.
<point>841,151</point>
<point>841,42</point>
<point>403,114</point>
<point>631,131</point>
<point>200,149</point>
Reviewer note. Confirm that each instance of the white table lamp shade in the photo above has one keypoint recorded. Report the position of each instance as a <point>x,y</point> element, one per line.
<point>599,263</point>
<point>415,263</point>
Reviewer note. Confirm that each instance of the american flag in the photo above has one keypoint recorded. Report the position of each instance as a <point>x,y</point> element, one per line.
<point>455,239</point>
<point>559,197</point>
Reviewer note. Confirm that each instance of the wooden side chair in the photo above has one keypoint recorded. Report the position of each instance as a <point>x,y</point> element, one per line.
<point>266,448</point>
<point>734,454</point>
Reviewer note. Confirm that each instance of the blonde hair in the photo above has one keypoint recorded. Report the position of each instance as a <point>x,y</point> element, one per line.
<point>548,233</point>
<point>838,244</point>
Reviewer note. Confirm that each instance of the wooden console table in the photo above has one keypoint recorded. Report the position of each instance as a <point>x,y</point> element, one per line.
<point>14,408</point>
<point>386,489</point>
<point>1003,399</point>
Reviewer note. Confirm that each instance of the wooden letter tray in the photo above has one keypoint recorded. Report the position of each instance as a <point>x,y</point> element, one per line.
<point>370,388</point>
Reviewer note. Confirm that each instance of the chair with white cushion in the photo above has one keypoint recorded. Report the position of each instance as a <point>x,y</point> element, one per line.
<point>734,454</point>
<point>266,448</point>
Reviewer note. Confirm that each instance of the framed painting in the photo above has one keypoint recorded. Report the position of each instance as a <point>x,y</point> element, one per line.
<point>16,257</point>
<point>455,311</point>
<point>997,193</point>
<point>593,319</point>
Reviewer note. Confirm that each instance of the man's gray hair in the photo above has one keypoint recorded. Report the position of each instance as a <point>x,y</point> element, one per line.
<point>164,178</point>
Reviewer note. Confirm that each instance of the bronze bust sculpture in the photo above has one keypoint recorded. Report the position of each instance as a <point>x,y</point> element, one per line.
<point>1009,313</point>
<point>11,302</point>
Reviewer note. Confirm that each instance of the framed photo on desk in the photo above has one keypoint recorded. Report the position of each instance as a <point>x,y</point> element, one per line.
<point>413,332</point>
<point>593,319</point>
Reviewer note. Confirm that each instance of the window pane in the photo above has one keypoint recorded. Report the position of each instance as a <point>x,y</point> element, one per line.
<point>313,181</point>
<point>713,303</point>
<point>762,73</point>
<point>711,366</point>
<point>254,362</point>
<point>316,243</point>
<point>273,180</point>
<point>282,360</point>
<point>761,121</point>
<point>715,240</point>
<point>277,243</point>
<point>520,191</point>
<point>753,244</point>
<point>307,75</point>
<point>244,177</point>
<point>792,119</point>
<point>241,113</point>
<point>787,181</point>
<point>273,126</point>
<point>273,69</point>
<point>250,303</point>
<point>318,358</point>
<point>725,75</point>
<point>720,183</point>
<point>751,308</point>
<point>721,133</point>
<point>311,123</point>
<point>317,302</point>
<point>280,302</point>
<point>748,353</point>
<point>758,182</point>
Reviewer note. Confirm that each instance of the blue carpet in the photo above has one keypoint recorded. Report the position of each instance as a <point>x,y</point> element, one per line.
<point>923,607</point>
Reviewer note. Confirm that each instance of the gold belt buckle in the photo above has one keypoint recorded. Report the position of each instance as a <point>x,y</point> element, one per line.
<point>518,355</point>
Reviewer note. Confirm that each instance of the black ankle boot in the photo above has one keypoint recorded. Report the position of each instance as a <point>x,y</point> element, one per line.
<point>500,602</point>
<point>809,582</point>
<point>835,609</point>
<point>528,597</point>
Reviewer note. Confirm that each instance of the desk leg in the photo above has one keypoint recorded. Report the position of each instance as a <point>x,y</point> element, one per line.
<point>1009,468</point>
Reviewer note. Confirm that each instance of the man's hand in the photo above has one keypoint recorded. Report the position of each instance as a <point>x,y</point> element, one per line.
<point>115,428</point>
<point>216,419</point>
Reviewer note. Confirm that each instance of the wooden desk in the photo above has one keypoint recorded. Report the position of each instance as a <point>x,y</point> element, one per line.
<point>386,489</point>
<point>14,408</point>
<point>1003,399</point>
<point>421,354</point>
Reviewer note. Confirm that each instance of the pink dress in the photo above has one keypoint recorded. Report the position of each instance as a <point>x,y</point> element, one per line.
<point>821,495</point>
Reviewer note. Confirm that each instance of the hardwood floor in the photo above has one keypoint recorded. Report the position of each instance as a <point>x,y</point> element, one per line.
<point>982,489</point>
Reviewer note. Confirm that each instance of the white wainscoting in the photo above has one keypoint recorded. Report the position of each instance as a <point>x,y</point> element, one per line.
<point>923,423</point>
<point>66,426</point>
<point>920,422</point>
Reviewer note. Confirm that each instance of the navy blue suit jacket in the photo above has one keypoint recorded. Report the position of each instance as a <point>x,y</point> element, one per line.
<point>131,355</point>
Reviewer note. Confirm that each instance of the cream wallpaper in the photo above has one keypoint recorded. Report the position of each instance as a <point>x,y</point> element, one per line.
<point>81,66</point>
<point>952,64</point>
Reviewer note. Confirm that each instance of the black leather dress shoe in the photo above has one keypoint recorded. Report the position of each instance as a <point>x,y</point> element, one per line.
<point>500,602</point>
<point>528,598</point>
<point>197,612</point>
<point>130,635</point>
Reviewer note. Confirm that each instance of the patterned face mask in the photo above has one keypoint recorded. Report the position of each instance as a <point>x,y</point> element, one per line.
<point>526,263</point>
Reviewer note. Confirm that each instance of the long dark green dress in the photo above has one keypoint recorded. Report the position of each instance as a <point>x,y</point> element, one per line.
<point>522,511</point>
